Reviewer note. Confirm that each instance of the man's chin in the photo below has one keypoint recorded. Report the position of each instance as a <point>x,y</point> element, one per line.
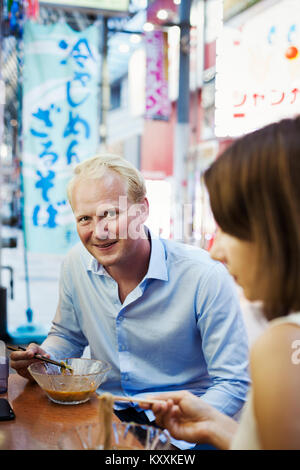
<point>108,259</point>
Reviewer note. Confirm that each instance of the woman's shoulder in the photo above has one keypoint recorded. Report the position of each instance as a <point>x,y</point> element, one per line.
<point>275,362</point>
<point>275,371</point>
<point>277,337</point>
<point>276,343</point>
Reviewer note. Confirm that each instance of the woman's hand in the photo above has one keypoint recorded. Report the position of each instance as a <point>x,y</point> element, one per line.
<point>20,360</point>
<point>189,418</point>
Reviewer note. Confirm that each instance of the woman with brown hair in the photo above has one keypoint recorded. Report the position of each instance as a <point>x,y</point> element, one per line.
<point>254,189</point>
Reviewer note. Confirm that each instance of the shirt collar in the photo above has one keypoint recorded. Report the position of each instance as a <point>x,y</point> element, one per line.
<point>157,265</point>
<point>96,267</point>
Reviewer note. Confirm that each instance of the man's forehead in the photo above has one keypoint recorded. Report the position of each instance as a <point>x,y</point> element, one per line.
<point>112,190</point>
<point>112,182</point>
<point>108,186</point>
<point>109,191</point>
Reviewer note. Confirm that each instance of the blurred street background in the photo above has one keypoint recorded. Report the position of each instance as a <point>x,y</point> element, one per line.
<point>43,286</point>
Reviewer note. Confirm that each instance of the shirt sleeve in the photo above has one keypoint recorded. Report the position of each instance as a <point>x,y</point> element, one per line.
<point>65,338</point>
<point>224,341</point>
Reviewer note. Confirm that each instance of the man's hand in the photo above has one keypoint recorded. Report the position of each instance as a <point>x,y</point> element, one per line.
<point>20,360</point>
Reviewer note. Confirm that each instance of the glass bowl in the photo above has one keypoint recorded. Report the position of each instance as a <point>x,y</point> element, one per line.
<point>124,436</point>
<point>70,389</point>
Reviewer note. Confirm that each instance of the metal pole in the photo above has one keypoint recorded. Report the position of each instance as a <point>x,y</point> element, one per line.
<point>2,102</point>
<point>3,291</point>
<point>105,87</point>
<point>181,142</point>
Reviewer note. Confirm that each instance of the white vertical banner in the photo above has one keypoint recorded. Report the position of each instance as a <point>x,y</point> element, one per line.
<point>60,127</point>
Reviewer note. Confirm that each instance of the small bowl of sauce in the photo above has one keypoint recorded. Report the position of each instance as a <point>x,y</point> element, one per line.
<point>67,387</point>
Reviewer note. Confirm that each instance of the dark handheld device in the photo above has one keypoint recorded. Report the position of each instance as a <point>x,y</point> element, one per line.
<point>6,411</point>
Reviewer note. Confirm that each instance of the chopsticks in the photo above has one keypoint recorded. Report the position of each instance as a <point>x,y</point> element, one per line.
<point>40,358</point>
<point>137,400</point>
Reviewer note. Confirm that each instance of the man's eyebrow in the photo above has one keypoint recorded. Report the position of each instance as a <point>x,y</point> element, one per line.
<point>105,208</point>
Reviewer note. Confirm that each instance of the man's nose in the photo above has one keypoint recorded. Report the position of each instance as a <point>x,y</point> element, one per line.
<point>101,229</point>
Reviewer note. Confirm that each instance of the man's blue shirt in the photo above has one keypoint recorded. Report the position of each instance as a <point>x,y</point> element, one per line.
<point>180,328</point>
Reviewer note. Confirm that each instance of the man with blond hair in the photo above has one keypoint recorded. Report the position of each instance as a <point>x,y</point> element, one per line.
<point>162,313</point>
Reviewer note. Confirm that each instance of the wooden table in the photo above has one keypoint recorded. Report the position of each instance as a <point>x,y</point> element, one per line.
<point>39,423</point>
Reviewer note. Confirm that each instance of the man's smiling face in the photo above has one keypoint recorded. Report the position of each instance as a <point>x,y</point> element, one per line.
<point>104,217</point>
